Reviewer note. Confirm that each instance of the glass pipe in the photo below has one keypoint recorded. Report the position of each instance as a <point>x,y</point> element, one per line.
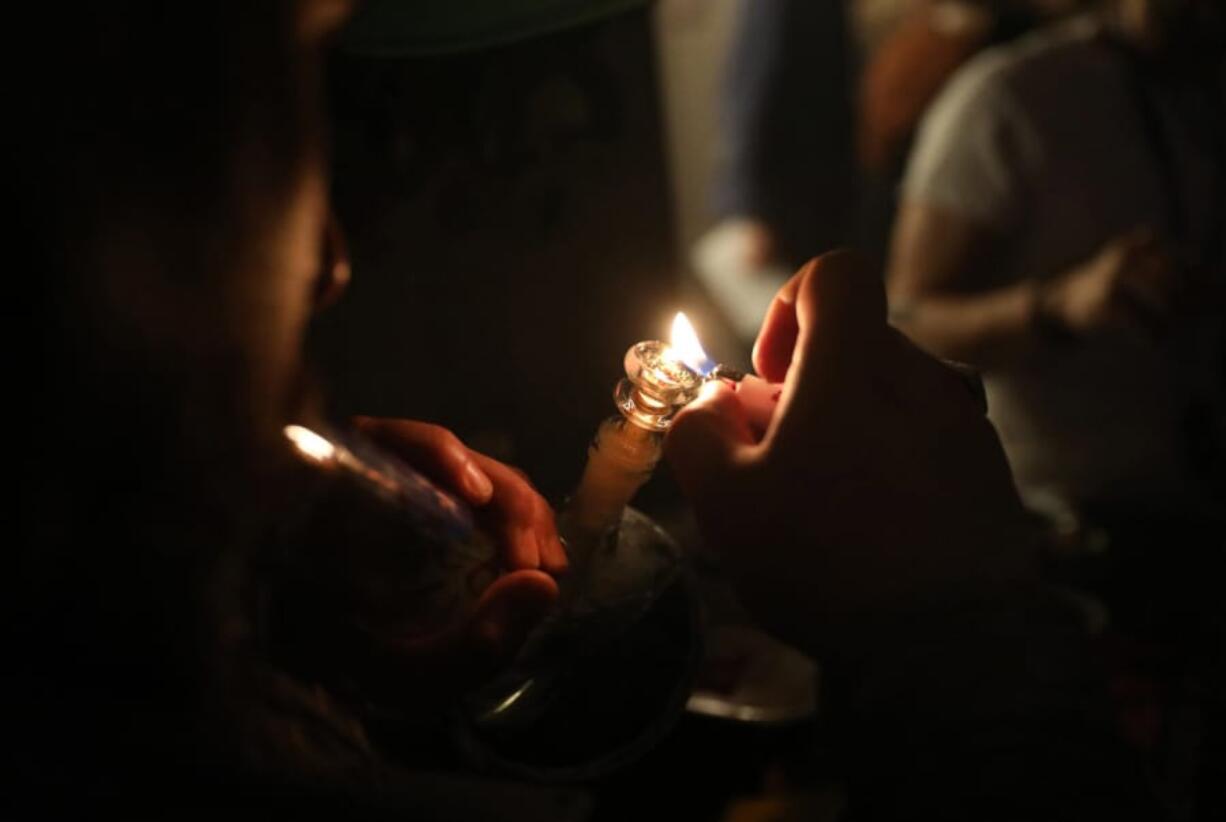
<point>623,597</point>
<point>627,447</point>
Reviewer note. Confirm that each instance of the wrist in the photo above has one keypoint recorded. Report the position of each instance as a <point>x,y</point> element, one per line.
<point>1045,319</point>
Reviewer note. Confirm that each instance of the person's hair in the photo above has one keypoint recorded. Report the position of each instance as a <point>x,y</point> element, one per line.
<point>153,143</point>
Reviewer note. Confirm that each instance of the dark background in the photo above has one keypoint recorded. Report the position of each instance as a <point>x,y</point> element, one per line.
<point>509,220</point>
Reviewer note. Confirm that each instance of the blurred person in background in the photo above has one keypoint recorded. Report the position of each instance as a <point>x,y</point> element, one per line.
<point>784,173</point>
<point>907,61</point>
<point>1061,227</point>
<point>801,138</point>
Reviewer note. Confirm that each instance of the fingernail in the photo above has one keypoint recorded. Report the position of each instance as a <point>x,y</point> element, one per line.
<point>476,484</point>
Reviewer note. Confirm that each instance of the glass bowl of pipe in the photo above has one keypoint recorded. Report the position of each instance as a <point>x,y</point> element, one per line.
<point>606,676</point>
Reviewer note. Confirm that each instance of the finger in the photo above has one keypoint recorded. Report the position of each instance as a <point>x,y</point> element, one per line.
<point>552,553</point>
<point>841,314</point>
<point>435,452</point>
<point>512,514</point>
<point>772,351</point>
<point>838,300</point>
<point>463,654</point>
<point>708,440</point>
<point>507,612</point>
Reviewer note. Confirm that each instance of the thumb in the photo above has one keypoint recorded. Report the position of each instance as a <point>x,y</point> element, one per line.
<point>708,440</point>
<point>508,610</point>
<point>842,332</point>
<point>462,655</point>
<point>839,303</point>
<point>772,351</point>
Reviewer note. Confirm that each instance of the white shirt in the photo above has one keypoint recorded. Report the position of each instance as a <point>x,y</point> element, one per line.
<point>1042,141</point>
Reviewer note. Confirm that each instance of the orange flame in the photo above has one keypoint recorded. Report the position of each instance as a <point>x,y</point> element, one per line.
<point>684,345</point>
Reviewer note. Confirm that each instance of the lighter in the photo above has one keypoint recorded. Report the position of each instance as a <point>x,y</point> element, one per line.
<point>661,379</point>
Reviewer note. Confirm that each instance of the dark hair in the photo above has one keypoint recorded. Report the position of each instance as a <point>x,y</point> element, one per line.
<point>157,136</point>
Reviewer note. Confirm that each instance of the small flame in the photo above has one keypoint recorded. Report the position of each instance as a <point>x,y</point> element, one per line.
<point>309,444</point>
<point>686,347</point>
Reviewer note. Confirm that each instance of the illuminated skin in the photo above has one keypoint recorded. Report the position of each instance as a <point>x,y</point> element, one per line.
<point>660,380</point>
<point>1131,283</point>
<point>258,307</point>
<point>878,486</point>
<point>178,270</point>
<point>794,525</point>
<point>508,508</point>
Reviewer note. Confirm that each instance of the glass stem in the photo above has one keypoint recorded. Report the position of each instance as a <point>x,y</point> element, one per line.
<point>619,461</point>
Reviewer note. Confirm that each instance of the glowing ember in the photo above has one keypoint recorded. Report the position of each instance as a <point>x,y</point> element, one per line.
<point>309,444</point>
<point>686,347</point>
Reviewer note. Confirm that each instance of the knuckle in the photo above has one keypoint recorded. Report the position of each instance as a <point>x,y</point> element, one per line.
<point>444,439</point>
